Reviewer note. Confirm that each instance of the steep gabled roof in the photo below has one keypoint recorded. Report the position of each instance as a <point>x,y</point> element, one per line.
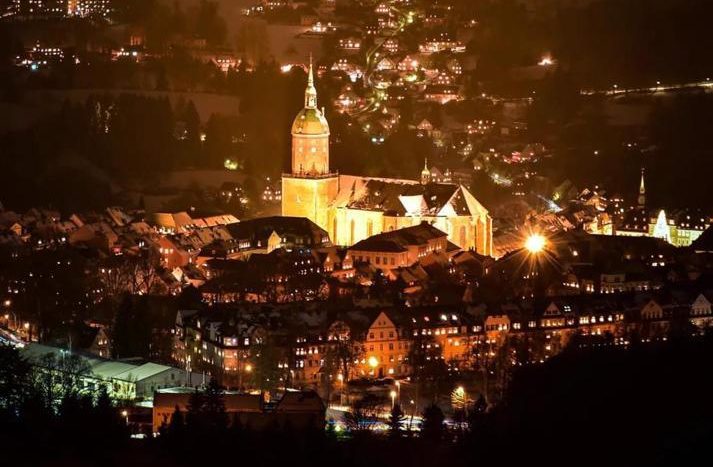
<point>407,197</point>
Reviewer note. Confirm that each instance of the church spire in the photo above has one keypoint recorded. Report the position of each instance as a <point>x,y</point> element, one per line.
<point>425,173</point>
<point>311,91</point>
<point>642,190</point>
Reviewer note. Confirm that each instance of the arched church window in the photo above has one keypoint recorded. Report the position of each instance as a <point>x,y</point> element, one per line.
<point>351,232</point>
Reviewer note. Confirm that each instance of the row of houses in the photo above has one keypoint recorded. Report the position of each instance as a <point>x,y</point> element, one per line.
<point>318,347</point>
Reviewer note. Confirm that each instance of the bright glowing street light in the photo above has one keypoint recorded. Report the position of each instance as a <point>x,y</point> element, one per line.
<point>535,243</point>
<point>373,361</point>
<point>393,398</point>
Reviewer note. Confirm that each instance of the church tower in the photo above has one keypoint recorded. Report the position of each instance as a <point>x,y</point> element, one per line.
<point>642,191</point>
<point>310,188</point>
<point>425,173</point>
<point>310,135</point>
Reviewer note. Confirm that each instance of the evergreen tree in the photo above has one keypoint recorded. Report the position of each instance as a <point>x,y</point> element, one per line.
<point>396,419</point>
<point>214,407</point>
<point>194,419</point>
<point>175,430</point>
<point>110,427</point>
<point>432,426</point>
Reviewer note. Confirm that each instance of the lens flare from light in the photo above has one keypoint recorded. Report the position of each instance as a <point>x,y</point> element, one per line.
<point>535,243</point>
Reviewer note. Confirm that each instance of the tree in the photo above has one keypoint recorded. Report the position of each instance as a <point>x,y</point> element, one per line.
<point>213,408</point>
<point>476,414</point>
<point>432,427</point>
<point>109,426</point>
<point>429,370</point>
<point>15,379</point>
<point>176,426</point>
<point>265,369</point>
<point>364,413</point>
<point>59,379</point>
<point>357,421</point>
<point>131,330</point>
<point>396,419</point>
<point>194,410</point>
<point>341,352</point>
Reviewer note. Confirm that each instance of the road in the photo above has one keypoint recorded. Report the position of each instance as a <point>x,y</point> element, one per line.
<point>616,90</point>
<point>372,56</point>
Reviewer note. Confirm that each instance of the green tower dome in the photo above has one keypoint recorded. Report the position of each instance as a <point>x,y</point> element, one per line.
<point>310,122</point>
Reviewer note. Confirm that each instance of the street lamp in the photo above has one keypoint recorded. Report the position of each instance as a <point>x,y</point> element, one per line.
<point>125,414</point>
<point>373,362</point>
<point>393,398</point>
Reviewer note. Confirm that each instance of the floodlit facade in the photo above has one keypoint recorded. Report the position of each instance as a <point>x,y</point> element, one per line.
<point>679,229</point>
<point>353,208</point>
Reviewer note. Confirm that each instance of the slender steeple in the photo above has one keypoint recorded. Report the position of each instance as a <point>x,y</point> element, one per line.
<point>311,91</point>
<point>642,191</point>
<point>425,173</point>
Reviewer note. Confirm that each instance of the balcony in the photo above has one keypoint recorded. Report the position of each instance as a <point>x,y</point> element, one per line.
<point>311,175</point>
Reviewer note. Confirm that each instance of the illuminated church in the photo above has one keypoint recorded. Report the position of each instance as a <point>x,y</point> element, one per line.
<point>680,229</point>
<point>352,208</point>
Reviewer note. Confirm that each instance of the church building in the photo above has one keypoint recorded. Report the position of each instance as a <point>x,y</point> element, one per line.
<point>680,228</point>
<point>351,208</point>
